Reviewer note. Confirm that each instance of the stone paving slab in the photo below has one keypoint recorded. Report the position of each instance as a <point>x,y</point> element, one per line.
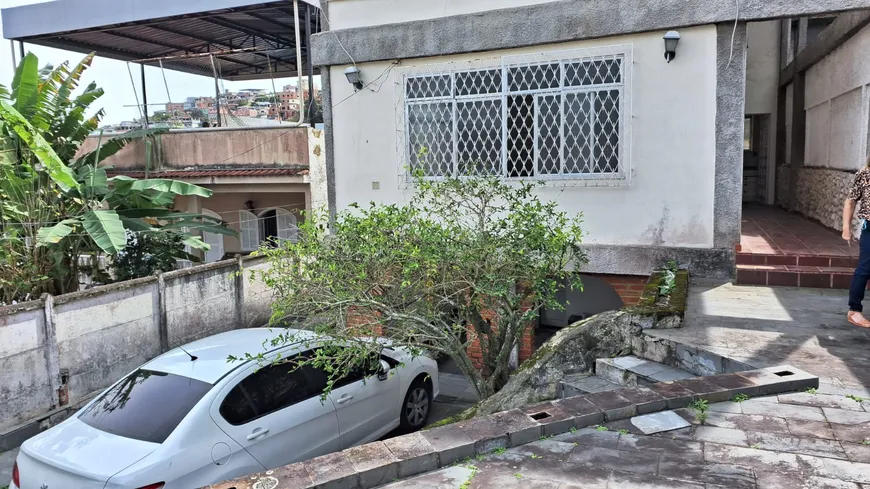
<point>764,326</point>
<point>746,451</point>
<point>658,422</point>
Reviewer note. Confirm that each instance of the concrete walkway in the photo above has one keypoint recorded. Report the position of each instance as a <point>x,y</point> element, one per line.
<point>767,326</point>
<point>794,441</point>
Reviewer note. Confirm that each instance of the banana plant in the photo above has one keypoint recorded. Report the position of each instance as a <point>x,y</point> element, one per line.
<point>57,202</point>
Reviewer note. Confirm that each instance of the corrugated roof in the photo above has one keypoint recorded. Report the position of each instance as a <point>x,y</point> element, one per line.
<point>137,30</point>
<point>218,172</point>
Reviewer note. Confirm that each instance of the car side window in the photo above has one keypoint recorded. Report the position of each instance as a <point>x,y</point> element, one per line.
<point>365,371</point>
<point>269,389</point>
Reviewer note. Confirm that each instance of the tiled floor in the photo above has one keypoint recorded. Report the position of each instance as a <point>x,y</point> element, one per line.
<point>772,231</point>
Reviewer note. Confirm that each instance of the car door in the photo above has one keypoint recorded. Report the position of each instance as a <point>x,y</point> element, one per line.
<point>367,404</point>
<point>277,414</point>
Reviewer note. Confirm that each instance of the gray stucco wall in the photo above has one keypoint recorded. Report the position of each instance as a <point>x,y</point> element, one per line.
<point>201,304</point>
<point>99,335</point>
<point>24,371</point>
<point>102,337</point>
<point>730,101</point>
<point>548,23</point>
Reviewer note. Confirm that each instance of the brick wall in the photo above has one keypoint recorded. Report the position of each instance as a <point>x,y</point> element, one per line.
<point>629,287</point>
<point>527,347</point>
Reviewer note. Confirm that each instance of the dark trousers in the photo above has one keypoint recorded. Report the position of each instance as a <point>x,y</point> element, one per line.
<point>862,273</point>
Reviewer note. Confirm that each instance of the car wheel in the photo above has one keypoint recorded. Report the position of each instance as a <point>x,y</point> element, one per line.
<point>415,409</point>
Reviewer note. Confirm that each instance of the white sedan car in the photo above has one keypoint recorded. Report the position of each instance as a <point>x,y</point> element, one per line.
<point>190,418</point>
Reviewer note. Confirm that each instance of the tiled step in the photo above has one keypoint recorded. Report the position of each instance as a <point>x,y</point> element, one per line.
<point>580,384</point>
<point>616,373</point>
<point>631,371</point>
<point>825,261</point>
<point>795,276</point>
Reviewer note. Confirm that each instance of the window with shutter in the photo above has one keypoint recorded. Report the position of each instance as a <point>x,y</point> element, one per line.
<point>249,231</point>
<point>287,229</point>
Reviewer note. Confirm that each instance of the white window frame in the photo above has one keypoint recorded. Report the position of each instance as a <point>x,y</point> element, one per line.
<point>620,178</point>
<point>218,237</point>
<point>245,219</point>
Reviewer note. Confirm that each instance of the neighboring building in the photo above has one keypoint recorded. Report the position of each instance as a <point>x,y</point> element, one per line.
<point>263,179</point>
<point>580,97</point>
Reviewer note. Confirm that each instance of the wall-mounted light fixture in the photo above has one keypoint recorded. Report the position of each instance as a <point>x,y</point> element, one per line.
<point>354,77</point>
<point>672,38</point>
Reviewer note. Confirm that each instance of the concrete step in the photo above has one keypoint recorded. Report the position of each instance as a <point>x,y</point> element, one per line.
<point>795,276</point>
<point>631,371</point>
<point>580,384</point>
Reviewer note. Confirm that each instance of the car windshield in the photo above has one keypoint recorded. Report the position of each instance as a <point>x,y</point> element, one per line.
<point>146,405</point>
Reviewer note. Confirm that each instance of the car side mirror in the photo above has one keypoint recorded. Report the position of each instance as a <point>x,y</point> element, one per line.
<point>384,370</point>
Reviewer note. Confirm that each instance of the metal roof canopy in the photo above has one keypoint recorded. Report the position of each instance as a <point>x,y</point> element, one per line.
<point>246,36</point>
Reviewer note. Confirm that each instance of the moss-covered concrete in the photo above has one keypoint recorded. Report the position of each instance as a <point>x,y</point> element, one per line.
<point>654,305</point>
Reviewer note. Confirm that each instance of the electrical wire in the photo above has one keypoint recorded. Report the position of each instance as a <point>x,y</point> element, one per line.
<point>734,34</point>
<point>383,73</point>
<point>329,26</point>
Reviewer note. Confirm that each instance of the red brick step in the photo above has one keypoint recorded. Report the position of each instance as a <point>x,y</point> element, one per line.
<point>795,276</point>
<point>826,261</point>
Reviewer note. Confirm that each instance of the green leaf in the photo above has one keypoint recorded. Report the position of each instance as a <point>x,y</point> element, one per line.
<point>106,229</point>
<point>176,187</point>
<point>95,182</point>
<point>200,226</point>
<point>54,234</point>
<point>25,85</point>
<point>162,213</point>
<point>60,173</point>
<point>135,224</point>
<point>196,243</point>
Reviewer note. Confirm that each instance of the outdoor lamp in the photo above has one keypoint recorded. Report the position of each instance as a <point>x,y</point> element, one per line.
<point>672,38</point>
<point>353,76</point>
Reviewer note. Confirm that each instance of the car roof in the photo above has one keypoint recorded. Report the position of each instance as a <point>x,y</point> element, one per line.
<point>213,352</point>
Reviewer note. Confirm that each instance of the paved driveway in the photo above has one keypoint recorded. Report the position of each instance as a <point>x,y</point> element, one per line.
<point>794,441</point>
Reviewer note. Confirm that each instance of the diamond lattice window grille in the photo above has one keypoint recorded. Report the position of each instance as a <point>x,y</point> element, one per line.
<point>559,116</point>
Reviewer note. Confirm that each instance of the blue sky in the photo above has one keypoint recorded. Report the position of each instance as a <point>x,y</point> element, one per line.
<point>112,76</point>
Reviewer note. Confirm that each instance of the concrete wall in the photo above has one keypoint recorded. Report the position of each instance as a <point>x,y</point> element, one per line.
<point>345,14</point>
<point>673,143</point>
<point>103,335</point>
<point>762,67</point>
<point>837,108</point>
<point>273,146</point>
<point>24,379</point>
<point>96,336</point>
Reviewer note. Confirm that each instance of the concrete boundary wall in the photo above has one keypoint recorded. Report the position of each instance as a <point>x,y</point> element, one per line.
<point>57,351</point>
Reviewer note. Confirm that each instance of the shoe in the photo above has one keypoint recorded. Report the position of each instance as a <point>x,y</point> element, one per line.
<point>858,319</point>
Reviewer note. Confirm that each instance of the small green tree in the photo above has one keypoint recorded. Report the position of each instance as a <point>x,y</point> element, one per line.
<point>465,259</point>
<point>149,253</point>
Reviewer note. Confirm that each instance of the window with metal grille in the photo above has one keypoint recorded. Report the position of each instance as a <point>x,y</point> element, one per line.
<point>550,118</point>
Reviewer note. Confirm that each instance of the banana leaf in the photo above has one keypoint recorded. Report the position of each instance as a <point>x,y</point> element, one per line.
<point>54,234</point>
<point>176,187</point>
<point>60,173</point>
<point>106,229</point>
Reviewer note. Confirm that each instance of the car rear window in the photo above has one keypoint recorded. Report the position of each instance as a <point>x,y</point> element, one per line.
<point>145,406</point>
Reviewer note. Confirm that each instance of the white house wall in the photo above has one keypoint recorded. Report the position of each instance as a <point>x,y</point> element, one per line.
<point>673,142</point>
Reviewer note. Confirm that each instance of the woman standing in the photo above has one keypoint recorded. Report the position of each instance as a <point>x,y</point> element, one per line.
<point>859,194</point>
